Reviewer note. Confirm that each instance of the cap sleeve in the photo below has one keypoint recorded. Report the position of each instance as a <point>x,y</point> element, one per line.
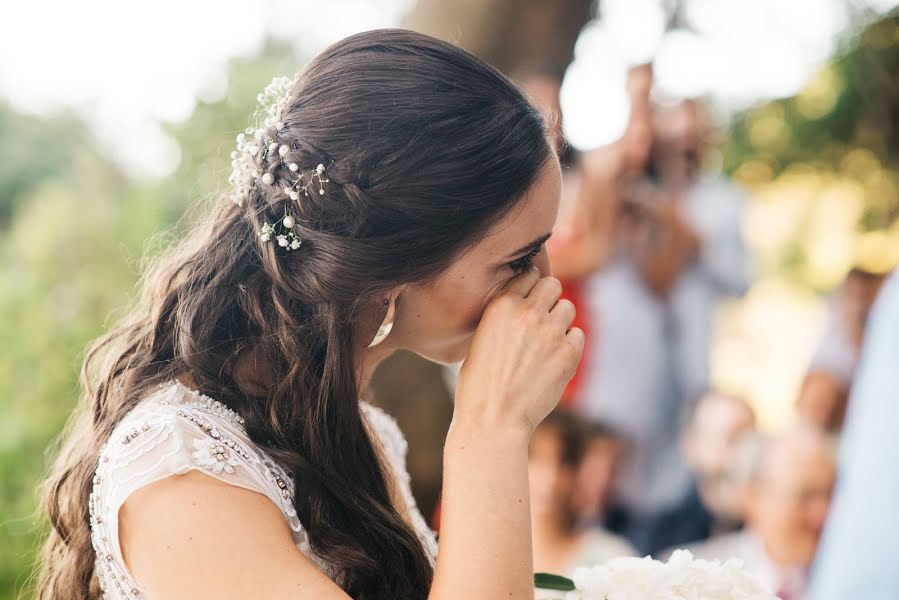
<point>167,436</point>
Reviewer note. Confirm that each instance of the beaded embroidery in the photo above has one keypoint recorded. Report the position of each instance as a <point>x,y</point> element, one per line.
<point>222,450</point>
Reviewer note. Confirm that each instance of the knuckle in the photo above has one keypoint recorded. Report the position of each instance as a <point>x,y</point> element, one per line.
<point>553,285</point>
<point>530,315</point>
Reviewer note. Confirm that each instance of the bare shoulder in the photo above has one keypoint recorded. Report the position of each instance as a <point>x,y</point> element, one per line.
<point>192,535</point>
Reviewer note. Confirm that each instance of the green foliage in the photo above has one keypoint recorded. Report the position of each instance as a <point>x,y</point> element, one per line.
<point>73,229</point>
<point>833,151</point>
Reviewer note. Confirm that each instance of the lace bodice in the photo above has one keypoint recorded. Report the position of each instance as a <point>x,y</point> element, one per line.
<point>176,429</point>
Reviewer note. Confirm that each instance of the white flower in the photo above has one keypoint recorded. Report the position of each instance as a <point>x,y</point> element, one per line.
<point>265,237</point>
<point>681,578</point>
<point>282,241</point>
<point>214,455</point>
<point>295,244</point>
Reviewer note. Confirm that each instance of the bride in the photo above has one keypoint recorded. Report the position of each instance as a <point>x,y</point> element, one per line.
<point>396,194</point>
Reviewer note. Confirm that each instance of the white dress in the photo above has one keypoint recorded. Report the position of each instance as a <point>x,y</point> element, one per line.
<point>176,429</point>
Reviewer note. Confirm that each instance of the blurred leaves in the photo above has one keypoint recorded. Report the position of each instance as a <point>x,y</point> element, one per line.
<point>73,229</point>
<point>824,165</point>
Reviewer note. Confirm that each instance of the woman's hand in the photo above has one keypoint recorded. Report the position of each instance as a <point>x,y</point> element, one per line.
<point>523,354</point>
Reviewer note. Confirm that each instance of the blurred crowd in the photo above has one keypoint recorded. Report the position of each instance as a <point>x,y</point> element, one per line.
<point>643,456</point>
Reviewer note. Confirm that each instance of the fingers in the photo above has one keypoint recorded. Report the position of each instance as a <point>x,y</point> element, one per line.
<point>563,313</point>
<point>575,337</point>
<point>546,293</point>
<point>521,285</point>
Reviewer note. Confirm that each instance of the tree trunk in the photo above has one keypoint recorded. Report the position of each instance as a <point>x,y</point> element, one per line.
<point>513,35</point>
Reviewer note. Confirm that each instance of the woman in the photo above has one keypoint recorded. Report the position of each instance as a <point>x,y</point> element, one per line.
<point>396,194</point>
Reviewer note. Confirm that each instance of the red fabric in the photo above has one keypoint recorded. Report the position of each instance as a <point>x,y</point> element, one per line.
<point>574,292</point>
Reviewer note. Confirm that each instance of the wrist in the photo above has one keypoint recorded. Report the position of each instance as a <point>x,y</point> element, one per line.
<point>477,434</point>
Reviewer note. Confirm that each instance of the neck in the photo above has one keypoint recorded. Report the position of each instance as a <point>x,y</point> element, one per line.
<point>369,360</point>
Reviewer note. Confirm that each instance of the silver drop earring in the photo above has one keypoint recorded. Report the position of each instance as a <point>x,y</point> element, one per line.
<point>386,324</point>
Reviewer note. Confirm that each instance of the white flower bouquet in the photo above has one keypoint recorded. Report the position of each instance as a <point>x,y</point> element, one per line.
<point>681,578</point>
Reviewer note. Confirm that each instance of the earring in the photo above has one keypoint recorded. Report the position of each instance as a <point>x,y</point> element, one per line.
<point>386,324</point>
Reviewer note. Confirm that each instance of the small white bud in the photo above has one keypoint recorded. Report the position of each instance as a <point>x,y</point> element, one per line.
<point>268,179</point>
<point>288,222</point>
<point>283,150</point>
<point>293,167</point>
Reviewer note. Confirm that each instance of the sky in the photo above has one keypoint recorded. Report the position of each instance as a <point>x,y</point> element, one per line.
<point>126,67</point>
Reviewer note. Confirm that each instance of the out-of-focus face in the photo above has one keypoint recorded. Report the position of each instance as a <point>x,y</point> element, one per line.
<point>438,319</point>
<point>551,482</point>
<point>679,125</point>
<point>595,475</point>
<point>788,502</point>
<point>710,444</point>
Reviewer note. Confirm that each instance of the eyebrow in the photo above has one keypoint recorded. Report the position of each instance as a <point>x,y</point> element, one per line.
<point>528,247</point>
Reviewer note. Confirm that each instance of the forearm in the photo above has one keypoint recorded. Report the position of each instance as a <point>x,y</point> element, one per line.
<point>485,534</point>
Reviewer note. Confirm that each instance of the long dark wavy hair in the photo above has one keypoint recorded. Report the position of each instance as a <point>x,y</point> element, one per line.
<point>426,147</point>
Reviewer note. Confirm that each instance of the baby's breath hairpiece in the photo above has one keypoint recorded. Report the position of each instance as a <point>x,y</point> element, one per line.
<point>289,240</point>
<point>256,141</point>
<point>256,145</point>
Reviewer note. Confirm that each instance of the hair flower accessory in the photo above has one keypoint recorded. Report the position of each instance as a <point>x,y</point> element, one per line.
<point>288,239</point>
<point>257,143</point>
<point>271,104</point>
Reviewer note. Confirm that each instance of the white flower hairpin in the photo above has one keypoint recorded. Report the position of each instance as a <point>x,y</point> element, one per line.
<point>256,142</point>
<point>255,145</point>
<point>303,181</point>
<point>288,239</point>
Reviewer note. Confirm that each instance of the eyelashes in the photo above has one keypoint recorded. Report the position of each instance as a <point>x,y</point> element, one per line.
<point>519,265</point>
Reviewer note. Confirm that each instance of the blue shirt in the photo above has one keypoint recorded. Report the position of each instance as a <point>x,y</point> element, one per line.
<point>860,546</point>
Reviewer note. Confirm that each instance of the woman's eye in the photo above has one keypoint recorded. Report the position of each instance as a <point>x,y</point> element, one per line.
<point>521,264</point>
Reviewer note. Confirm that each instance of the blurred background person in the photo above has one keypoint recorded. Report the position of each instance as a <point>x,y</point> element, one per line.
<point>861,540</point>
<point>679,251</point>
<point>786,503</point>
<point>603,449</point>
<point>824,392</point>
<point>702,211</point>
<point>712,444</point>
<point>561,543</point>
